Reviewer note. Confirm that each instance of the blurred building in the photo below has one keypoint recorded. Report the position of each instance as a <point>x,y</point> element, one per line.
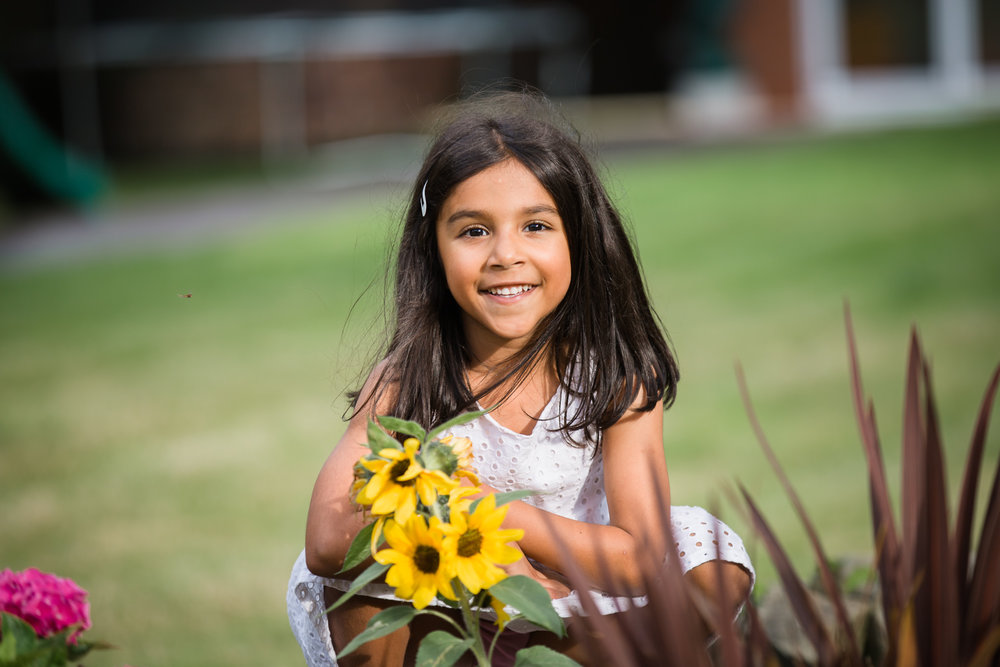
<point>874,60</point>
<point>115,79</point>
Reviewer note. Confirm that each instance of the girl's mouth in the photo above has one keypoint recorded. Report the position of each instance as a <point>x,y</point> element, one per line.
<point>509,290</point>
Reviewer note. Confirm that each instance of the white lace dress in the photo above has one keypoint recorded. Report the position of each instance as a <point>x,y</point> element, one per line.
<point>571,483</point>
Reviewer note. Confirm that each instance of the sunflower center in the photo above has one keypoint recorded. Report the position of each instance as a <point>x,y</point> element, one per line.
<point>399,469</point>
<point>426,559</point>
<point>470,543</point>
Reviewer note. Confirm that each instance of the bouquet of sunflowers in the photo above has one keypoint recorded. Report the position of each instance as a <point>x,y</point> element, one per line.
<point>432,540</point>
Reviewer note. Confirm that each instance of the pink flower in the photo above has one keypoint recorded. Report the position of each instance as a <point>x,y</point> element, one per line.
<point>49,604</point>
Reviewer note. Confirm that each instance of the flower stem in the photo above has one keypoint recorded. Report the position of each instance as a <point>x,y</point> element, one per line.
<point>446,617</point>
<point>471,624</point>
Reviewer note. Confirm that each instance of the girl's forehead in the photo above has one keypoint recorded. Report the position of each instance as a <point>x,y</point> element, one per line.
<point>505,190</point>
<point>504,184</point>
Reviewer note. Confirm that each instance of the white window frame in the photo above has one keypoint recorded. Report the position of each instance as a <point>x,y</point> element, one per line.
<point>955,80</point>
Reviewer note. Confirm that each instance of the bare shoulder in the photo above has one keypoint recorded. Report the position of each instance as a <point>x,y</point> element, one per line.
<point>377,395</point>
<point>638,411</point>
<point>637,436</point>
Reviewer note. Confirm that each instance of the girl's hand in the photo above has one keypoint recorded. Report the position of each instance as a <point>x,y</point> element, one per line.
<point>551,581</point>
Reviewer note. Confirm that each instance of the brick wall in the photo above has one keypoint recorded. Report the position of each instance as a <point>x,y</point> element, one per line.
<point>186,110</point>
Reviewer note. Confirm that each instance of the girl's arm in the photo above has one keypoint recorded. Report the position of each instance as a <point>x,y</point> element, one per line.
<point>634,466</point>
<point>333,518</point>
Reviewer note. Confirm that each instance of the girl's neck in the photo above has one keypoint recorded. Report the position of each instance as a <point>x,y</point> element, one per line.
<point>493,358</point>
<point>519,400</point>
<point>498,366</point>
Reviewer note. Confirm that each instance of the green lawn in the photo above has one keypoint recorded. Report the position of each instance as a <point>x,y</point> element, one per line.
<point>160,450</point>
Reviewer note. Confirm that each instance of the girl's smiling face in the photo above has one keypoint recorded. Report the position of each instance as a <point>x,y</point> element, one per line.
<point>505,254</point>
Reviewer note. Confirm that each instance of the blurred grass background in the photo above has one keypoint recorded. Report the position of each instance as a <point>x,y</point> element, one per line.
<point>160,450</point>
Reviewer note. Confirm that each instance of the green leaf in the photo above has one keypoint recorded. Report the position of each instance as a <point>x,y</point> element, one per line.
<point>441,649</point>
<point>383,623</point>
<point>403,426</point>
<point>504,497</point>
<point>18,637</point>
<point>437,456</point>
<point>360,549</point>
<point>374,571</point>
<point>463,418</point>
<point>20,647</point>
<point>52,651</point>
<point>531,600</point>
<point>379,439</point>
<point>542,656</point>
<point>82,648</point>
<point>507,497</point>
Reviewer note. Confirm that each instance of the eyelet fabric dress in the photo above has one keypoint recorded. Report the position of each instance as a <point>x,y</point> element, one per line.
<point>569,481</point>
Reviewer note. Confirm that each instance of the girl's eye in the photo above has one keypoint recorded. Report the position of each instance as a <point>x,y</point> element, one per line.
<point>474,232</point>
<point>536,226</point>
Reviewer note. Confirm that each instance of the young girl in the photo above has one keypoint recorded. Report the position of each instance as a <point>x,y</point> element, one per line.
<point>517,287</point>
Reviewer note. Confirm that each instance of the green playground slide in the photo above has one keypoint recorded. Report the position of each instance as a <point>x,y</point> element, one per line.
<point>55,169</point>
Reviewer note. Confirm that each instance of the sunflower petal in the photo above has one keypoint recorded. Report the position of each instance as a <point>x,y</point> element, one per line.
<point>468,575</point>
<point>428,494</point>
<point>406,506</point>
<point>377,533</point>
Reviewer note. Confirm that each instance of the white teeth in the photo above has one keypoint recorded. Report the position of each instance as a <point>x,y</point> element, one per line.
<point>509,291</point>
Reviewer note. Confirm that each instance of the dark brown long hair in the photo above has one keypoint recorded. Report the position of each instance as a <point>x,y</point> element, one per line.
<point>606,342</point>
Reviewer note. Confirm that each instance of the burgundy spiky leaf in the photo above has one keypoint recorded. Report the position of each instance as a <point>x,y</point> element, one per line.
<point>939,613</point>
<point>912,495</point>
<point>984,588</point>
<point>822,562</point>
<point>805,611</point>
<point>966,507</point>
<point>884,530</point>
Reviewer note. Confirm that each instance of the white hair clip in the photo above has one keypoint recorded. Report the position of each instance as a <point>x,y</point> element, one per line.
<point>423,200</point>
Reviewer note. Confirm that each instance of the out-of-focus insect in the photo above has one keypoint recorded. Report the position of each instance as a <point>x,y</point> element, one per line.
<point>185,296</point>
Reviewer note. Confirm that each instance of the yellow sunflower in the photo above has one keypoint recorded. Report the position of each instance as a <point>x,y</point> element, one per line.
<point>462,449</point>
<point>420,567</point>
<point>459,500</point>
<point>478,544</point>
<point>500,609</point>
<point>398,479</point>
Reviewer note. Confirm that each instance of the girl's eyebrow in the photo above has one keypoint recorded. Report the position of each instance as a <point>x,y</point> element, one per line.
<point>463,213</point>
<point>541,208</point>
<point>476,214</point>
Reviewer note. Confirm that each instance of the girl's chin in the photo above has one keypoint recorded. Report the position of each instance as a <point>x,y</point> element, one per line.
<point>499,333</point>
<point>512,338</point>
<point>505,336</point>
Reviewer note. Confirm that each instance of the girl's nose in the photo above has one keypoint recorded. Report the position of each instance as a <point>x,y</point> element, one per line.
<point>506,250</point>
